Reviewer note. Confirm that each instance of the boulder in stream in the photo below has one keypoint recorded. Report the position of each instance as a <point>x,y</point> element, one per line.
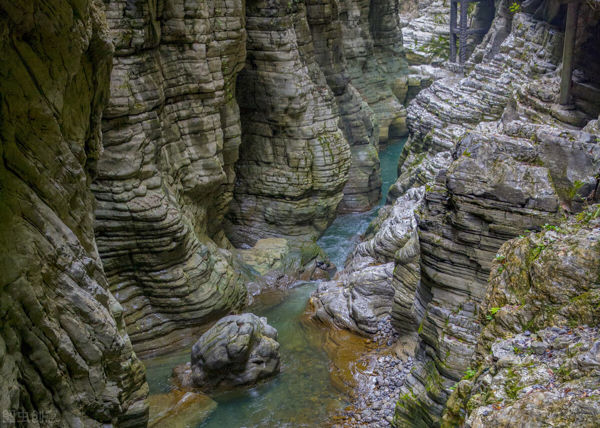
<point>237,350</point>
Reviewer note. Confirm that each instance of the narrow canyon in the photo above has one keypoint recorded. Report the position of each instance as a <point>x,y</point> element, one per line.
<point>299,213</point>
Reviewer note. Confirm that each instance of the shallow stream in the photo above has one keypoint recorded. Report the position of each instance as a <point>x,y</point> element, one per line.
<point>302,395</point>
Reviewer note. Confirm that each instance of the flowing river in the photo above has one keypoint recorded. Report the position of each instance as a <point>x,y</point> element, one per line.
<point>302,395</point>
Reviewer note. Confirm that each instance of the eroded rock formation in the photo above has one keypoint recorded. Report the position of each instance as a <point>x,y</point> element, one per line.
<point>538,355</point>
<point>237,350</point>
<point>171,133</point>
<point>294,159</point>
<point>490,155</point>
<point>504,177</point>
<point>65,356</point>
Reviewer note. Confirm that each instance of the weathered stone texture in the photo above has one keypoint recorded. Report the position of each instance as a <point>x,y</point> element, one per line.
<point>237,350</point>
<point>294,159</point>
<point>64,351</point>
<point>506,176</point>
<point>539,345</point>
<point>171,133</point>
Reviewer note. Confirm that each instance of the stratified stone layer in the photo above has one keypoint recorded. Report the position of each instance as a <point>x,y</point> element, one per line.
<point>65,356</point>
<point>171,133</point>
<point>505,177</point>
<point>294,159</point>
<point>539,353</point>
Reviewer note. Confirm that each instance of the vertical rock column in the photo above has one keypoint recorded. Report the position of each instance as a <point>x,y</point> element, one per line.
<point>171,134</point>
<point>376,63</point>
<point>65,357</point>
<point>357,120</point>
<point>294,159</point>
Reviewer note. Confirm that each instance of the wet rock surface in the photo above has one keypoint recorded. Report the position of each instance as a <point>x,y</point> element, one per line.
<point>237,350</point>
<point>375,399</point>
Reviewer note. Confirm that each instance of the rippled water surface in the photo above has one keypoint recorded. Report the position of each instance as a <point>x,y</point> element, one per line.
<point>302,394</point>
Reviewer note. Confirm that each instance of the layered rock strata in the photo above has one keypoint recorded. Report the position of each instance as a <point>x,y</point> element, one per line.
<point>365,290</point>
<point>330,67</point>
<point>426,32</point>
<point>171,133</point>
<point>294,159</point>
<point>65,356</point>
<point>538,356</point>
<point>506,177</point>
<point>489,171</point>
<point>237,350</point>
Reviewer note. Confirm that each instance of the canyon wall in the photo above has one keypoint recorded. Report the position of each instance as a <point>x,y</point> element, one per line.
<point>490,155</point>
<point>231,122</point>
<point>514,161</point>
<point>65,356</point>
<point>318,77</point>
<point>538,355</point>
<point>171,133</point>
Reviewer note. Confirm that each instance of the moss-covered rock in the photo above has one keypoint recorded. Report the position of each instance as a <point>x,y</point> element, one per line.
<point>539,352</point>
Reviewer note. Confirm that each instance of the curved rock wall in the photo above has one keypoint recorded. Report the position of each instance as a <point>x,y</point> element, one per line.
<point>171,133</point>
<point>314,69</point>
<point>184,173</point>
<point>65,356</point>
<point>294,159</point>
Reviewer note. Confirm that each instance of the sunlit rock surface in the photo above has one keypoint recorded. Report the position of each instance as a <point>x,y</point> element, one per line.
<point>65,356</point>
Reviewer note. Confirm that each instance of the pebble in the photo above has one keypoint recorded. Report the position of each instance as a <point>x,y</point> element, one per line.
<point>375,407</point>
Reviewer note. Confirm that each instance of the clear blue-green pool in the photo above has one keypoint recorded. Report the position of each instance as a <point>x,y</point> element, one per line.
<point>302,394</point>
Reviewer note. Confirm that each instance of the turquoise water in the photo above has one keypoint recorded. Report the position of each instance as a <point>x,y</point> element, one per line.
<point>302,394</point>
<point>345,232</point>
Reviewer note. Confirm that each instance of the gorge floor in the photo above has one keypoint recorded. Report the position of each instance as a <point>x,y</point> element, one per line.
<point>305,393</point>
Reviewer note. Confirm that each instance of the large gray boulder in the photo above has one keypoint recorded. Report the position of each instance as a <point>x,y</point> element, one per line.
<point>237,350</point>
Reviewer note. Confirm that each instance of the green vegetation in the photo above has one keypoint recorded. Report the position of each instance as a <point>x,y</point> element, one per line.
<point>470,374</point>
<point>437,47</point>
<point>515,7</point>
<point>493,311</point>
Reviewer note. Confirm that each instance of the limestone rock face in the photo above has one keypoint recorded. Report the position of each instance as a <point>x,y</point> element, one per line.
<point>65,355</point>
<point>357,301</point>
<point>426,32</point>
<point>237,350</point>
<point>492,180</point>
<point>541,286</point>
<point>319,76</point>
<point>171,133</point>
<point>368,286</point>
<point>294,159</point>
